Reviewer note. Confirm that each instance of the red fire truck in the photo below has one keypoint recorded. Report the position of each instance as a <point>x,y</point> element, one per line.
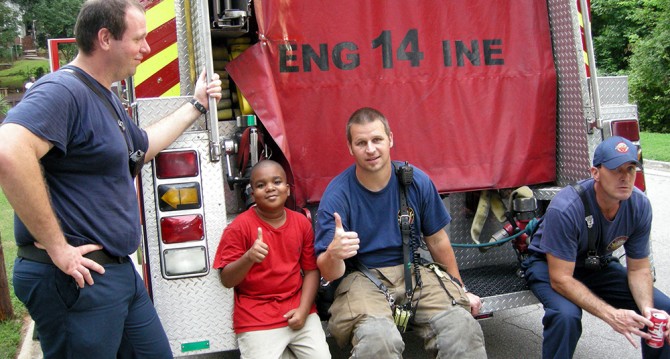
<point>485,96</point>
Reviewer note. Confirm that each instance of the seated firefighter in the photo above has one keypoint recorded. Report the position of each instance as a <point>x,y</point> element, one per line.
<point>358,236</point>
<point>571,267</point>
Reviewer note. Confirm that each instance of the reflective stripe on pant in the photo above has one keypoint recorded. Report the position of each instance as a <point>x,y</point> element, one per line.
<point>562,318</point>
<point>361,313</point>
<point>113,316</point>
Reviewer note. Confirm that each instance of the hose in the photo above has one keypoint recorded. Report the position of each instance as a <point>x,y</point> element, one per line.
<point>530,229</point>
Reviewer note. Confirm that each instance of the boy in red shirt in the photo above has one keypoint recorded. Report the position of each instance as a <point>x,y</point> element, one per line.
<point>261,254</point>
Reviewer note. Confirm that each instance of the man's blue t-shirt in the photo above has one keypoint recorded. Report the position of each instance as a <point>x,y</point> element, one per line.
<point>86,172</point>
<point>563,232</point>
<point>374,215</point>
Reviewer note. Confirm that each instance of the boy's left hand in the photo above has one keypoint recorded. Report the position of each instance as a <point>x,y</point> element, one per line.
<point>296,319</point>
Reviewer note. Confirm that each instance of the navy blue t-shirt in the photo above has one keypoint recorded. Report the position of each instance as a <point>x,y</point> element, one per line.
<point>563,232</point>
<point>374,215</point>
<point>86,171</point>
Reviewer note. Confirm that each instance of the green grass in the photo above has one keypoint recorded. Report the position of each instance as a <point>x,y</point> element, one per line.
<point>15,77</point>
<point>655,146</point>
<point>10,330</point>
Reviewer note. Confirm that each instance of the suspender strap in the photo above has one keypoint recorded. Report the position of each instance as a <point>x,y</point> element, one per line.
<point>373,278</point>
<point>105,100</point>
<point>405,231</point>
<point>588,217</point>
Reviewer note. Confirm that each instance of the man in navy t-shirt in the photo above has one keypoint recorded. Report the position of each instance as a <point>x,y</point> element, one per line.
<point>358,217</point>
<point>568,274</point>
<point>65,167</point>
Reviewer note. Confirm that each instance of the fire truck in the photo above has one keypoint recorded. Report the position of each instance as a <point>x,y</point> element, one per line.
<point>487,97</point>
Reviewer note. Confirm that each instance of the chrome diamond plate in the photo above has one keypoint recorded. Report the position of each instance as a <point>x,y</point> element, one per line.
<point>618,112</point>
<point>509,301</point>
<point>191,309</point>
<point>613,90</point>
<point>574,105</point>
<point>187,75</point>
<point>459,232</point>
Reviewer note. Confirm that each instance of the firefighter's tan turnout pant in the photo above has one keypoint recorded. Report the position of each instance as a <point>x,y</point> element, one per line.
<point>361,314</point>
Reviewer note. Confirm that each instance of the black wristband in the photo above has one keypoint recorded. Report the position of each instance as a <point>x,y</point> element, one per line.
<point>198,106</point>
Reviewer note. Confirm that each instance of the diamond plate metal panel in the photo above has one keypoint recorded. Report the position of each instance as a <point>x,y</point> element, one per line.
<point>184,20</point>
<point>613,90</point>
<point>191,309</point>
<point>618,112</point>
<point>574,105</point>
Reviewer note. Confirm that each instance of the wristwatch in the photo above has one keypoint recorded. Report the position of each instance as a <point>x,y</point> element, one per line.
<point>198,106</point>
<point>465,289</point>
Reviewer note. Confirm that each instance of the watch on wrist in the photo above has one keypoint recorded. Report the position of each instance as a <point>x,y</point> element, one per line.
<point>465,289</point>
<point>198,106</point>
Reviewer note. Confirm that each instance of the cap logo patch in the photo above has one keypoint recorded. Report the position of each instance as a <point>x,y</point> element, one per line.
<point>621,147</point>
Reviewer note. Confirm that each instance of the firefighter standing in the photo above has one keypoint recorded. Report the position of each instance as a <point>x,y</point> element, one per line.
<point>567,277</point>
<point>68,155</point>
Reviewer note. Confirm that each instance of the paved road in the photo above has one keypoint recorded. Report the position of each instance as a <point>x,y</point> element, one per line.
<point>517,333</point>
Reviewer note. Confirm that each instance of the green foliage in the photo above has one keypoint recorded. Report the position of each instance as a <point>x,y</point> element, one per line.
<point>54,18</point>
<point>614,29</point>
<point>650,73</point>
<point>633,37</point>
<point>655,146</point>
<point>15,77</point>
<point>10,330</point>
<point>4,106</point>
<point>9,25</point>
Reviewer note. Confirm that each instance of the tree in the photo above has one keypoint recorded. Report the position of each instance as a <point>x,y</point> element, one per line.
<point>614,28</point>
<point>650,69</point>
<point>632,37</point>
<point>9,27</point>
<point>53,18</point>
<point>6,311</point>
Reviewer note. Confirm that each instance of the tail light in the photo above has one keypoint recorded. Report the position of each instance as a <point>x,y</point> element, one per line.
<point>182,234</point>
<point>629,129</point>
<point>181,229</point>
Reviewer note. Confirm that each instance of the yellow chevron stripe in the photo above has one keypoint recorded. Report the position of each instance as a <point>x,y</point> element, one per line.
<point>160,14</point>
<point>173,92</point>
<point>581,20</point>
<point>149,67</point>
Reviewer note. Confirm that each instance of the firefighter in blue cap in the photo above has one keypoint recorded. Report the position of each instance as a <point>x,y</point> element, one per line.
<point>572,267</point>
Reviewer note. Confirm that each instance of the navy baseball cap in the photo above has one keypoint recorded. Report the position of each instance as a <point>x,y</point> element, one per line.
<point>615,151</point>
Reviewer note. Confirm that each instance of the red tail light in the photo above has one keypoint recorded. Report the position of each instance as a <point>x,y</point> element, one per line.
<point>627,129</point>
<point>639,181</point>
<point>630,129</point>
<point>179,229</point>
<point>176,164</point>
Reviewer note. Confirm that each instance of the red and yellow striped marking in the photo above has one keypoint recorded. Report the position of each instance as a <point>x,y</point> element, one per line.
<point>581,28</point>
<point>158,74</point>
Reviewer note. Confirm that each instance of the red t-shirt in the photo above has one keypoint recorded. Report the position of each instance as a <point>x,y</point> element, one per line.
<point>274,286</point>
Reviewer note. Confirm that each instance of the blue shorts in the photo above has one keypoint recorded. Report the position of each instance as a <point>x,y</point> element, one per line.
<point>112,317</point>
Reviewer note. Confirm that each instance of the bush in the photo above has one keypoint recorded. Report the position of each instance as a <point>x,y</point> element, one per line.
<point>4,107</point>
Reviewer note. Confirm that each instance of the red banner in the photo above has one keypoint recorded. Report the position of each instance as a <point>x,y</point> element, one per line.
<point>468,86</point>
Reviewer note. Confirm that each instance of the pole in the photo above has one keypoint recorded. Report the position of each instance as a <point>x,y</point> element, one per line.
<point>6,311</point>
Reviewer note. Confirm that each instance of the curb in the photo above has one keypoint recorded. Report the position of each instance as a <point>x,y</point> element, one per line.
<point>656,165</point>
<point>29,347</point>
